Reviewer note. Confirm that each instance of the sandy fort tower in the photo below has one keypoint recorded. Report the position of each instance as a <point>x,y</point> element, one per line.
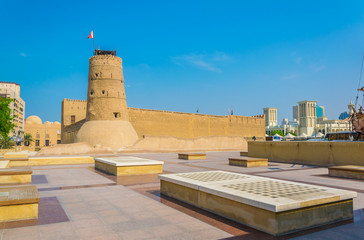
<point>107,121</point>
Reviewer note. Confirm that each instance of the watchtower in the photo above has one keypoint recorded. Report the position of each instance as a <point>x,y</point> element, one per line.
<point>106,94</point>
<point>107,121</point>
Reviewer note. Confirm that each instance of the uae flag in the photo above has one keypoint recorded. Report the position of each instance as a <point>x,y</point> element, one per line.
<point>91,34</point>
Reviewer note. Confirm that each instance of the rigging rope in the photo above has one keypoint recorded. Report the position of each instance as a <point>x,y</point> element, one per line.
<point>361,71</point>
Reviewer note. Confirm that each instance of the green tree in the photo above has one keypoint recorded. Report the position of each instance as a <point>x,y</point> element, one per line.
<point>292,132</point>
<point>6,118</point>
<point>279,132</point>
<point>6,142</point>
<point>28,139</point>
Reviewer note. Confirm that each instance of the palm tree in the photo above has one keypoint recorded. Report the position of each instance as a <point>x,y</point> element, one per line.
<point>28,139</point>
<point>6,142</point>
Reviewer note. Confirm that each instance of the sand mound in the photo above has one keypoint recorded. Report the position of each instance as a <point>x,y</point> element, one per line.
<point>73,149</point>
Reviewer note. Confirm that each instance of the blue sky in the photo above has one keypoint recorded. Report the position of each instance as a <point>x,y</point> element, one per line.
<point>184,55</point>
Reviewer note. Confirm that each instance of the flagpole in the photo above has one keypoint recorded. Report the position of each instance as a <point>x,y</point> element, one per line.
<point>93,40</point>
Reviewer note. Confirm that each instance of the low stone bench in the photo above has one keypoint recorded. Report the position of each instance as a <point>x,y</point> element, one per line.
<point>248,162</point>
<point>18,203</point>
<point>4,164</point>
<point>269,205</point>
<point>244,153</point>
<point>21,175</point>
<point>348,171</point>
<point>128,165</point>
<point>63,160</point>
<point>16,162</point>
<point>12,155</point>
<point>191,156</point>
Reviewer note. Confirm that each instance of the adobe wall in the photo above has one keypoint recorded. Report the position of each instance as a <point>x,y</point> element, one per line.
<point>188,125</point>
<point>310,153</point>
<point>73,107</point>
<point>69,132</point>
<point>165,130</point>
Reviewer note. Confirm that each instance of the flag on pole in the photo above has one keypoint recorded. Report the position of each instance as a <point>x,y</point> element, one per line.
<point>91,34</point>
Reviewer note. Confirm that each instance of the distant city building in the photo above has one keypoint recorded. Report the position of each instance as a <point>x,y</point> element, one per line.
<point>43,134</point>
<point>343,115</point>
<point>310,119</point>
<point>346,114</point>
<point>270,117</point>
<point>271,123</point>
<point>296,113</point>
<point>12,90</point>
<point>320,111</point>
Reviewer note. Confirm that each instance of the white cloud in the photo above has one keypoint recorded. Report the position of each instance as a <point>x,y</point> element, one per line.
<point>298,60</point>
<point>23,54</point>
<point>290,77</point>
<point>203,61</point>
<point>317,68</point>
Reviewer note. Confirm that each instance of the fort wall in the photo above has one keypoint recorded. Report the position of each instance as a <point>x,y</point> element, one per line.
<point>167,130</point>
<point>69,132</point>
<point>71,107</point>
<point>189,125</point>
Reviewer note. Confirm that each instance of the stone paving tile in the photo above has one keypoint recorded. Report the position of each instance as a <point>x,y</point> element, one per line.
<point>118,212</point>
<point>128,215</point>
<point>70,177</point>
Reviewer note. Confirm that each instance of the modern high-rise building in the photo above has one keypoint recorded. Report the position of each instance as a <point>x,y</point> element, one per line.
<point>12,90</point>
<point>320,111</point>
<point>310,119</point>
<point>296,113</point>
<point>347,114</point>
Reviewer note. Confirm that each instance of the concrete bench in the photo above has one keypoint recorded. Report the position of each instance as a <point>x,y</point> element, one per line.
<point>191,156</point>
<point>18,203</point>
<point>12,155</point>
<point>121,166</point>
<point>21,175</point>
<point>272,206</point>
<point>248,162</point>
<point>244,153</point>
<point>64,160</point>
<point>16,162</point>
<point>4,164</point>
<point>348,171</point>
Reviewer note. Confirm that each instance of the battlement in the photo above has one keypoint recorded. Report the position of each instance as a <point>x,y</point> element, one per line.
<point>258,116</point>
<point>73,100</point>
<point>105,52</point>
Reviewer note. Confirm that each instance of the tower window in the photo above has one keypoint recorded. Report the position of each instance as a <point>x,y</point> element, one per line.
<point>73,119</point>
<point>103,92</point>
<point>116,114</point>
<point>96,74</point>
<point>92,93</point>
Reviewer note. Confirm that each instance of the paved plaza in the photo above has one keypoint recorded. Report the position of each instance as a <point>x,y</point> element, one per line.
<point>79,202</point>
